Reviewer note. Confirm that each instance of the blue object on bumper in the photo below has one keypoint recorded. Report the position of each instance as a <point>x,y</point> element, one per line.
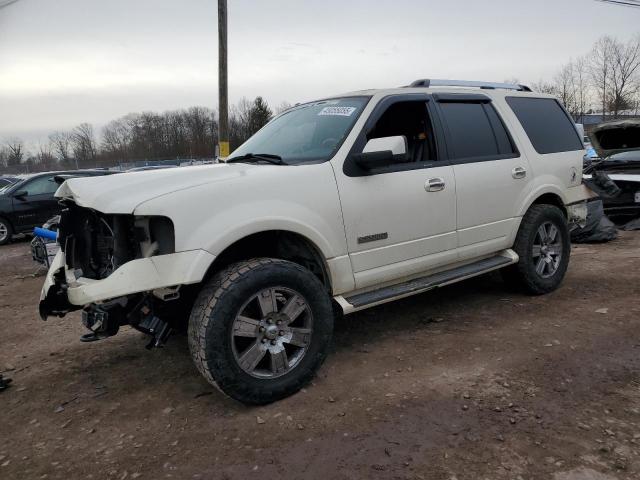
<point>44,233</point>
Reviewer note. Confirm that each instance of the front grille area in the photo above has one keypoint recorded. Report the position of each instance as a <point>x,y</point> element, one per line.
<point>96,244</point>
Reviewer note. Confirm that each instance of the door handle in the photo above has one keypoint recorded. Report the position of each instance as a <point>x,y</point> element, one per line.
<point>518,173</point>
<point>434,185</point>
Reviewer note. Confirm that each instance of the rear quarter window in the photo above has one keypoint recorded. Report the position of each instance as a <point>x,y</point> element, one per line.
<point>547,124</point>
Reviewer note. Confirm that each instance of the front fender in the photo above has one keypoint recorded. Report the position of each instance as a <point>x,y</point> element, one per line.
<point>299,199</point>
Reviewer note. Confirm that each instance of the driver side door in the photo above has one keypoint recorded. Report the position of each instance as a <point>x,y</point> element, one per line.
<point>399,220</point>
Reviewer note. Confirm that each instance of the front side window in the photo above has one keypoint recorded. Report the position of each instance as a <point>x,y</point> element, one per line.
<point>307,133</point>
<point>475,132</point>
<point>409,119</point>
<point>547,124</point>
<point>41,186</point>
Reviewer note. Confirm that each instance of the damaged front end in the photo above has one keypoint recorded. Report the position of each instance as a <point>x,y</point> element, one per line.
<point>111,268</point>
<point>617,173</point>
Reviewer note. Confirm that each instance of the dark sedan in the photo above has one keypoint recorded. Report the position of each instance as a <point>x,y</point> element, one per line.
<point>29,202</point>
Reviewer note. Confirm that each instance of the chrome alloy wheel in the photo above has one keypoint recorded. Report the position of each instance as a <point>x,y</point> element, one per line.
<point>272,332</point>
<point>4,231</point>
<point>547,250</point>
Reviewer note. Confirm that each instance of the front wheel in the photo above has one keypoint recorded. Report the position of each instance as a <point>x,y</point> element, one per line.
<point>260,329</point>
<point>544,247</point>
<point>5,231</point>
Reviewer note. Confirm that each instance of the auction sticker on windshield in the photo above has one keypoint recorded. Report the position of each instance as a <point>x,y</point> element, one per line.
<point>338,111</point>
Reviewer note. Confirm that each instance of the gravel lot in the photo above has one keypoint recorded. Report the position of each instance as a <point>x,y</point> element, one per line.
<point>472,381</point>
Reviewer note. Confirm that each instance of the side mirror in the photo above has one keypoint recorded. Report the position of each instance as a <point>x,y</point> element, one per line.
<point>20,194</point>
<point>382,152</point>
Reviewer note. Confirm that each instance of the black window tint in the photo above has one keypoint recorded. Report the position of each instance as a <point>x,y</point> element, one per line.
<point>505,146</point>
<point>547,124</point>
<point>475,131</point>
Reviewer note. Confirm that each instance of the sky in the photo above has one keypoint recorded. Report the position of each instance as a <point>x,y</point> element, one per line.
<point>63,62</point>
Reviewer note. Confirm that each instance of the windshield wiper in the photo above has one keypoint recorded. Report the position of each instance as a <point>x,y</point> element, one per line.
<point>256,157</point>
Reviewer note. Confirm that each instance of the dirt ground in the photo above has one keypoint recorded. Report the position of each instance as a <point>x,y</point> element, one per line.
<point>472,381</point>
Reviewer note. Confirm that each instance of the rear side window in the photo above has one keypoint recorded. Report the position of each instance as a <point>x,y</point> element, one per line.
<point>475,132</point>
<point>547,124</point>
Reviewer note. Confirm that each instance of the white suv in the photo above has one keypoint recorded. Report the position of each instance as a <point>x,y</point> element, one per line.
<point>334,206</point>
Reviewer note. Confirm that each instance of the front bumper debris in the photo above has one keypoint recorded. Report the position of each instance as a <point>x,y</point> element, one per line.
<point>63,292</point>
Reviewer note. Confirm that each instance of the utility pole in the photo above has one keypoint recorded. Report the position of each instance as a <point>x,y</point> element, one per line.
<point>223,99</point>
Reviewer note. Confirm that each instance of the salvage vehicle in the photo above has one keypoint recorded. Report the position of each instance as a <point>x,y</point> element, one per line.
<point>29,202</point>
<point>333,207</point>
<point>618,146</point>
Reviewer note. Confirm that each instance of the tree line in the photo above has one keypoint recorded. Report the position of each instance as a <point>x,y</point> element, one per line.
<point>606,80</point>
<point>190,133</point>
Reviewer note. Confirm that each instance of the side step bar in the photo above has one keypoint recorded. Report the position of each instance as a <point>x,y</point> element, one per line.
<point>361,301</point>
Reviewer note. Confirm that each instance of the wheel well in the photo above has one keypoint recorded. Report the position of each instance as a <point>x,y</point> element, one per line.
<point>8,222</point>
<point>275,244</point>
<point>551,199</point>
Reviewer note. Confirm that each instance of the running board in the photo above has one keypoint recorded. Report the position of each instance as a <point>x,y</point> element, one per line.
<point>360,301</point>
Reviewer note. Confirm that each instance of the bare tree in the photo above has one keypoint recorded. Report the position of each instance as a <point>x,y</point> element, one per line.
<point>4,156</point>
<point>84,144</point>
<point>580,79</point>
<point>544,87</point>
<point>116,138</point>
<point>564,83</point>
<point>283,107</point>
<point>44,155</point>
<point>625,81</point>
<point>15,147</point>
<point>61,146</point>
<point>600,67</point>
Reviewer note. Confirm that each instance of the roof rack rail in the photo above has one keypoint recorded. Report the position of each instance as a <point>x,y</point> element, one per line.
<point>468,83</point>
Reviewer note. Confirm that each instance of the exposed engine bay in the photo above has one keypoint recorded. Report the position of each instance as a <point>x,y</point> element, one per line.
<point>95,245</point>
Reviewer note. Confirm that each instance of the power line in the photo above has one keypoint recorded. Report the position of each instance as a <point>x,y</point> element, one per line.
<point>6,3</point>
<point>622,3</point>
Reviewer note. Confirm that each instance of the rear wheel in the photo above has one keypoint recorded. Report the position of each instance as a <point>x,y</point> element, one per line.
<point>544,247</point>
<point>5,231</point>
<point>260,329</point>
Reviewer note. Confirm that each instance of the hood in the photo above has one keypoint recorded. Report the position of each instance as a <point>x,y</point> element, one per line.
<point>616,137</point>
<point>121,194</point>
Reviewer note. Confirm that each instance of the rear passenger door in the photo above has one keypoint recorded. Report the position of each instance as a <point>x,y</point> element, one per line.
<point>492,177</point>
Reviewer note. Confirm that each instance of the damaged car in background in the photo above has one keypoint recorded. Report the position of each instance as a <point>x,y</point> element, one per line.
<point>615,177</point>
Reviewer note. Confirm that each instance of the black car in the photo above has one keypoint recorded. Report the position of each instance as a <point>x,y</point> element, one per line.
<point>29,202</point>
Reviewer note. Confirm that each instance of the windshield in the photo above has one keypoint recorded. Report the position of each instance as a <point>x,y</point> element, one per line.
<point>14,187</point>
<point>630,156</point>
<point>307,133</point>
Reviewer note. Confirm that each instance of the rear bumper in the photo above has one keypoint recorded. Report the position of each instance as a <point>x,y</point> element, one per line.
<point>62,292</point>
<point>578,194</point>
